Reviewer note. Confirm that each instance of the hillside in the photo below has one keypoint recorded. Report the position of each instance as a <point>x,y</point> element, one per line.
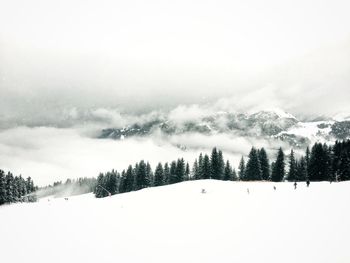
<point>177,223</point>
<point>271,125</point>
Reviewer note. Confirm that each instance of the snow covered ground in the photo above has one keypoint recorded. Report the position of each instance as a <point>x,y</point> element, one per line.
<point>177,223</point>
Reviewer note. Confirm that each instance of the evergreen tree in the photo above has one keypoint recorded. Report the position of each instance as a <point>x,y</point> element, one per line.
<point>142,176</point>
<point>149,174</point>
<point>200,167</point>
<point>318,166</point>
<point>307,161</point>
<point>206,167</point>
<point>22,187</point>
<point>214,163</point>
<point>180,170</point>
<point>9,188</point>
<point>217,164</point>
<point>187,172</point>
<point>253,170</point>
<point>166,174</point>
<point>112,184</point>
<point>172,179</point>
<point>241,167</point>
<point>3,197</point>
<point>159,175</point>
<point>292,167</point>
<point>195,170</point>
<point>344,166</point>
<point>221,169</point>
<point>228,174</point>
<point>99,188</point>
<point>129,179</point>
<point>278,171</point>
<point>301,170</point>
<point>264,164</point>
<point>122,182</point>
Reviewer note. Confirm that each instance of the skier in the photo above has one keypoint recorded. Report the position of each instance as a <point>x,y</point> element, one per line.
<point>248,191</point>
<point>295,185</point>
<point>307,183</point>
<point>203,191</point>
<point>274,188</point>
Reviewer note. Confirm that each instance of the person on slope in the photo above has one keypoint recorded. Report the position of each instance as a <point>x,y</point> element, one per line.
<point>307,183</point>
<point>295,185</point>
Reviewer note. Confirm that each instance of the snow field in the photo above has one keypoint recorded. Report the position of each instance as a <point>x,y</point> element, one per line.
<point>177,223</point>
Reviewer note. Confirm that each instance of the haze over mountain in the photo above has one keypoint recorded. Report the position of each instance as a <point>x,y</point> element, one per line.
<point>138,57</point>
<point>190,74</point>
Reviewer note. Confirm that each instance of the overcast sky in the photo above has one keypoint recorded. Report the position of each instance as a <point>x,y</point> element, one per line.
<point>64,63</point>
<point>142,55</point>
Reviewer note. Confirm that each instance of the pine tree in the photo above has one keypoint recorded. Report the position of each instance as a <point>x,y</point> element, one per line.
<point>292,167</point>
<point>3,197</point>
<point>241,167</point>
<point>149,175</point>
<point>301,170</point>
<point>122,182</point>
<point>217,164</point>
<point>264,164</point>
<point>158,175</point>
<point>253,170</point>
<point>206,167</point>
<point>16,189</point>
<point>195,170</point>
<point>228,175</point>
<point>187,172</point>
<point>22,188</point>
<point>200,167</point>
<point>142,177</point>
<point>172,179</point>
<point>112,184</point>
<point>99,191</point>
<point>278,171</point>
<point>214,163</point>
<point>166,174</point>
<point>307,161</point>
<point>9,188</point>
<point>221,165</point>
<point>318,166</point>
<point>129,179</point>
<point>344,166</point>
<point>180,170</point>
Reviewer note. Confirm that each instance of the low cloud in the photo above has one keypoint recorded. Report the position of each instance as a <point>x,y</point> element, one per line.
<point>55,154</point>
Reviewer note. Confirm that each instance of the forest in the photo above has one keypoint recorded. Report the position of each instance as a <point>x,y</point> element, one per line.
<point>320,163</point>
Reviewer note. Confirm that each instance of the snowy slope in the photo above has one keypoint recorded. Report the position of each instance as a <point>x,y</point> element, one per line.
<point>177,223</point>
<point>271,125</point>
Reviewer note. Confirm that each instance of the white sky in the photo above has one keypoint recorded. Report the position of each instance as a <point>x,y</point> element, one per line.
<point>65,62</point>
<point>147,54</point>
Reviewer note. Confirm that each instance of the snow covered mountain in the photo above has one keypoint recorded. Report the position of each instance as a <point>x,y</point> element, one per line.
<point>177,223</point>
<point>268,124</point>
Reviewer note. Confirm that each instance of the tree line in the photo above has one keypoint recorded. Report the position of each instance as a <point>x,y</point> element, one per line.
<point>16,189</point>
<point>321,163</point>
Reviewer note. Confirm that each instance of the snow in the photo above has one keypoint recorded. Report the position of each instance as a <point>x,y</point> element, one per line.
<point>311,131</point>
<point>279,112</point>
<point>177,223</point>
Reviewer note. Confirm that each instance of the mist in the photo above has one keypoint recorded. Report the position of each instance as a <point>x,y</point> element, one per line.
<point>69,69</point>
<point>137,57</point>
